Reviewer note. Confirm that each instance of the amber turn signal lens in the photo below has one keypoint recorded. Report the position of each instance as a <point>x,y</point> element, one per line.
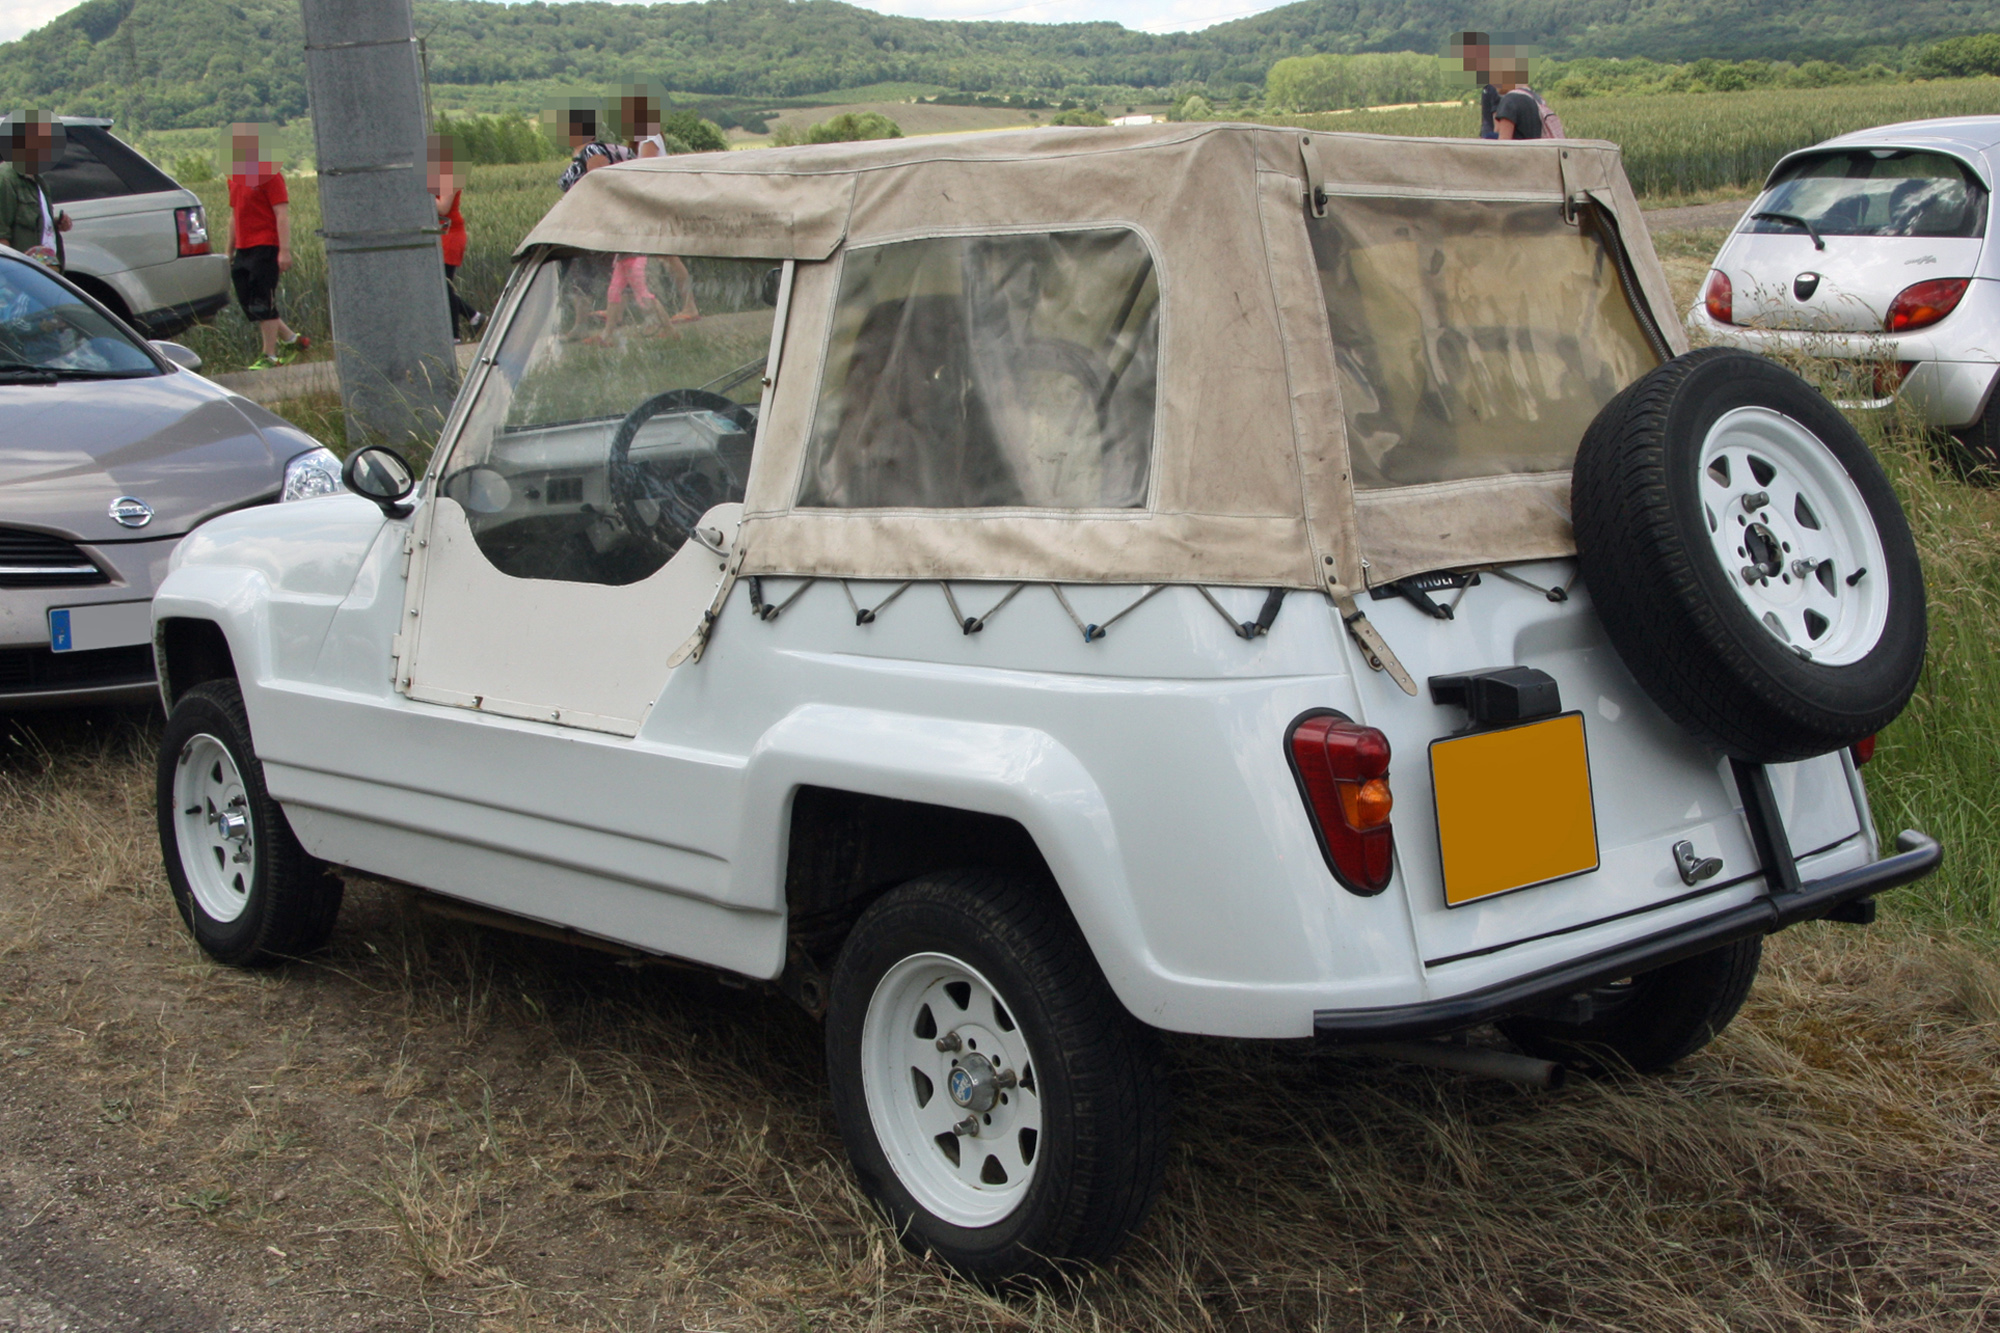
<point>1366,804</point>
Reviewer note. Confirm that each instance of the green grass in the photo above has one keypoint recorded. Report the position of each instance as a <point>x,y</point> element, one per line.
<point>1937,767</point>
<point>501,204</point>
<point>1684,143</point>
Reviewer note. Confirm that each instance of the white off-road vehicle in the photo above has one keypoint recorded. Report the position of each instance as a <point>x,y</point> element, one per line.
<point>1067,586</point>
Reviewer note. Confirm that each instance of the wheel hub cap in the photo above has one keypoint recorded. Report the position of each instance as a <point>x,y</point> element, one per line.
<point>1794,534</point>
<point>972,1084</point>
<point>951,1089</point>
<point>212,826</point>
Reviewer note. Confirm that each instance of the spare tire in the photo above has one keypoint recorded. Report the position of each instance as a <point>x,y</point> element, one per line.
<point>1748,558</point>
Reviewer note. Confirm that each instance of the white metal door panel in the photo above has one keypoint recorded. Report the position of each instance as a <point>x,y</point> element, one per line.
<point>575,654</point>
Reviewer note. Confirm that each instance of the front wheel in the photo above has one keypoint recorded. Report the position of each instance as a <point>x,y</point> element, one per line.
<point>999,1105</point>
<point>248,892</point>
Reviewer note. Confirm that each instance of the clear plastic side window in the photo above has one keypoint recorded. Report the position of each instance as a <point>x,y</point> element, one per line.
<point>971,372</point>
<point>1474,339</point>
<point>621,407</point>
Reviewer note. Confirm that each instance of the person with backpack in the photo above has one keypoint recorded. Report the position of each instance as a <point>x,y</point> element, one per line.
<point>1521,112</point>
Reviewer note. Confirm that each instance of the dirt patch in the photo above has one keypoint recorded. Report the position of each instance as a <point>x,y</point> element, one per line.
<point>436,1126</point>
<point>1698,217</point>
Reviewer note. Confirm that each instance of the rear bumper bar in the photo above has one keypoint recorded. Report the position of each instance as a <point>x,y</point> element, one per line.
<point>1917,854</point>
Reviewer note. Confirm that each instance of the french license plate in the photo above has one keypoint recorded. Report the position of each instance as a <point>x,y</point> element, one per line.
<point>79,629</point>
<point>1514,808</point>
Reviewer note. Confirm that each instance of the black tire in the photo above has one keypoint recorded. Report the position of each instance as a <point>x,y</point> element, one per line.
<point>1097,1072</point>
<point>1667,601</point>
<point>1974,453</point>
<point>290,900</point>
<point>1651,1021</point>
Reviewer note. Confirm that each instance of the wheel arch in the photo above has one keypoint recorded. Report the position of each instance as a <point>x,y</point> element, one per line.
<point>190,651</point>
<point>105,294</point>
<point>846,848</point>
<point>846,783</point>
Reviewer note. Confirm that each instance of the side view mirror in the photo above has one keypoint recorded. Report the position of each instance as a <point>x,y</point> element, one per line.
<point>382,475</point>
<point>184,357</point>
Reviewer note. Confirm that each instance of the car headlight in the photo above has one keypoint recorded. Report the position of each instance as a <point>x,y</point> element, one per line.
<point>314,472</point>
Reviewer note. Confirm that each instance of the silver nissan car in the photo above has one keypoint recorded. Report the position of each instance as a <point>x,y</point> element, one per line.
<point>1868,251</point>
<point>111,450</point>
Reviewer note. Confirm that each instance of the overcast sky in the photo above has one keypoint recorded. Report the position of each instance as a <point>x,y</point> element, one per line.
<point>21,16</point>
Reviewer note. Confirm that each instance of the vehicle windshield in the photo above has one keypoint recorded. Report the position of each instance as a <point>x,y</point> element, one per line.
<point>1873,192</point>
<point>46,327</point>
<point>621,407</point>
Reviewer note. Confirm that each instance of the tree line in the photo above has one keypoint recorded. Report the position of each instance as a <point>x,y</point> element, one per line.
<point>162,64</point>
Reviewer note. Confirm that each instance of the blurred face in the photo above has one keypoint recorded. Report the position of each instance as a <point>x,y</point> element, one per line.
<point>1478,59</point>
<point>244,146</point>
<point>642,116</point>
<point>441,169</point>
<point>32,145</point>
<point>582,129</point>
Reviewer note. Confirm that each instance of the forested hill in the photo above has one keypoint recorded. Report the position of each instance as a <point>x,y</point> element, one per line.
<point>167,63</point>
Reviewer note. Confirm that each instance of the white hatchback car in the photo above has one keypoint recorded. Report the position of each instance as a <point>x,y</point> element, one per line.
<point>996,620</point>
<point>1871,248</point>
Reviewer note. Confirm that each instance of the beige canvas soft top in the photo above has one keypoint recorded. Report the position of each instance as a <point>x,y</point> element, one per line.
<point>1250,480</point>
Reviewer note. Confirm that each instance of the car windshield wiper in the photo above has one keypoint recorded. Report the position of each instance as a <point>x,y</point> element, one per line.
<point>1795,220</point>
<point>24,372</point>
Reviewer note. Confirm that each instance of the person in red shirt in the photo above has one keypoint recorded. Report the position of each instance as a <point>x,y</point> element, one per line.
<point>447,184</point>
<point>260,242</point>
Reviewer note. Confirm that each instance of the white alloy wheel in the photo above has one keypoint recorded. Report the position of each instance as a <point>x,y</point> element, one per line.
<point>950,1088</point>
<point>1794,535</point>
<point>213,827</point>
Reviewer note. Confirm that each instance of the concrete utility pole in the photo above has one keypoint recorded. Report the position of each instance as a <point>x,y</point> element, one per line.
<point>385,279</point>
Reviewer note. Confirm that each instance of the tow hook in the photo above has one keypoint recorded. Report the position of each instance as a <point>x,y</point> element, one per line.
<point>1694,869</point>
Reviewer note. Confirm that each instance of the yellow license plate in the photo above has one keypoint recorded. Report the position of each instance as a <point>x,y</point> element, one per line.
<point>1513,808</point>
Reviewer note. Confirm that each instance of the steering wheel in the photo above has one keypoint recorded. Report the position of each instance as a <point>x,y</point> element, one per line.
<point>677,498</point>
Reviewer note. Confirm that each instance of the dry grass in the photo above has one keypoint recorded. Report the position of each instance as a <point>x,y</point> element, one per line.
<point>436,1126</point>
<point>458,1129</point>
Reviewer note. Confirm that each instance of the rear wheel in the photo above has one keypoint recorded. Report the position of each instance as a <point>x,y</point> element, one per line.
<point>999,1105</point>
<point>246,889</point>
<point>1648,1022</point>
<point>1974,453</point>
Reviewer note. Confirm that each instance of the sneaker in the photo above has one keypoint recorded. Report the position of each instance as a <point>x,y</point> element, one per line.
<point>289,352</point>
<point>477,322</point>
<point>298,343</point>
<point>265,363</point>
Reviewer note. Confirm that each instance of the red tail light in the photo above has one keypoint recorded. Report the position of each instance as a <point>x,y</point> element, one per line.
<point>1719,297</point>
<point>191,228</point>
<point>1925,303</point>
<point>1863,750</point>
<point>1343,772</point>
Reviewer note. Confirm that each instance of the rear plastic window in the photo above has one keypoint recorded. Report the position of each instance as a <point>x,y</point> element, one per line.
<point>1473,338</point>
<point>1014,371</point>
<point>1874,192</point>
